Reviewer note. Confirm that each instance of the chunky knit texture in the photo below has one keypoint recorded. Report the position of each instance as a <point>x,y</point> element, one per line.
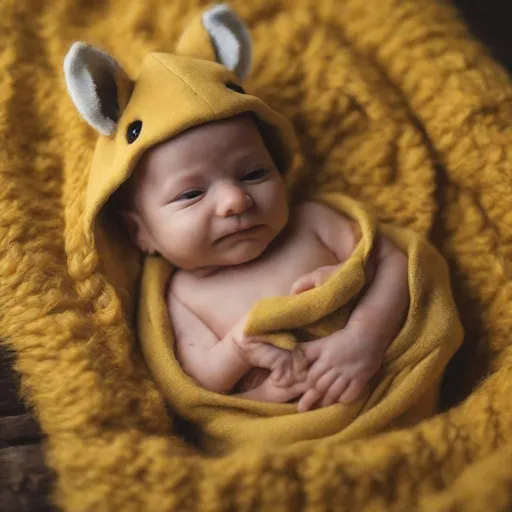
<point>394,104</point>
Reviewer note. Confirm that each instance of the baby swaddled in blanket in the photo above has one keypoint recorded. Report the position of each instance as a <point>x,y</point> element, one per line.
<point>212,202</point>
<point>248,303</point>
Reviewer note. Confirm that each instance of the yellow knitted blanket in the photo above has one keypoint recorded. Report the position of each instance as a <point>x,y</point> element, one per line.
<point>396,105</point>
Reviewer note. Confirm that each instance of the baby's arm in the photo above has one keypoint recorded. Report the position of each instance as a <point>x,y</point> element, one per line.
<point>337,233</point>
<point>344,361</point>
<point>382,309</point>
<point>216,364</point>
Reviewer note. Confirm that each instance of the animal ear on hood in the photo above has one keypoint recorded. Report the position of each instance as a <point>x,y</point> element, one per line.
<point>220,35</point>
<point>98,86</point>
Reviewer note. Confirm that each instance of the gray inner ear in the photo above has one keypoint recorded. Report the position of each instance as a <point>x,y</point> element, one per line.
<point>106,89</point>
<point>91,82</point>
<point>230,38</point>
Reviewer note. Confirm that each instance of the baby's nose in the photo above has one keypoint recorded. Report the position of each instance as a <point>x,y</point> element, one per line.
<point>232,200</point>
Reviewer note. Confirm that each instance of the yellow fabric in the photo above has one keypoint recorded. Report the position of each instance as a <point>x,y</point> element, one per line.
<point>405,390</point>
<point>189,91</point>
<point>394,104</point>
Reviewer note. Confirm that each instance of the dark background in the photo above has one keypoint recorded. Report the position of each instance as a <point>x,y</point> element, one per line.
<point>490,20</point>
<point>24,480</point>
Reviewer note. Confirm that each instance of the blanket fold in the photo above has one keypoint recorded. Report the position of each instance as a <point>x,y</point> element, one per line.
<point>395,105</point>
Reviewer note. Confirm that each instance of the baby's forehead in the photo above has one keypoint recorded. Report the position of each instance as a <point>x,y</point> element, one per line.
<point>193,147</point>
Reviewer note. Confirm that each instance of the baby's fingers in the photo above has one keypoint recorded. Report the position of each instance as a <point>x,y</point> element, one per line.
<point>278,372</point>
<point>354,389</point>
<point>302,284</point>
<point>300,363</point>
<point>282,376</point>
<point>316,371</point>
<point>267,391</point>
<point>308,400</point>
<point>324,383</point>
<point>335,391</point>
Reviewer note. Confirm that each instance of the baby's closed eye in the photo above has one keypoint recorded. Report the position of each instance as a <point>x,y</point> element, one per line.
<point>190,194</point>
<point>256,174</point>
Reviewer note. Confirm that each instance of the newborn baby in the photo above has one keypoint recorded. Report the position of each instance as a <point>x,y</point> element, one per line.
<point>212,202</point>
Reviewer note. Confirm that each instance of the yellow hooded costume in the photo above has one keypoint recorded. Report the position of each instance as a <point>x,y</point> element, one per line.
<point>175,92</point>
<point>394,104</point>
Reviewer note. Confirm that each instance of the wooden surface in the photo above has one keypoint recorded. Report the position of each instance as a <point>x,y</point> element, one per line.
<point>24,479</point>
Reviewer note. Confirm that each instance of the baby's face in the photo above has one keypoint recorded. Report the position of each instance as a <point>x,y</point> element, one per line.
<point>209,197</point>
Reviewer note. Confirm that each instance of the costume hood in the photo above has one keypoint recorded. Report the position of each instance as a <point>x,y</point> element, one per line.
<point>172,92</point>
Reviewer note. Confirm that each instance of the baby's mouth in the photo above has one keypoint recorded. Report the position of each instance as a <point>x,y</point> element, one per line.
<point>256,227</point>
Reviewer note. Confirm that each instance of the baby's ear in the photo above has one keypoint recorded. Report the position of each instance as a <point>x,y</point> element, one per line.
<point>133,226</point>
<point>220,35</point>
<point>98,86</point>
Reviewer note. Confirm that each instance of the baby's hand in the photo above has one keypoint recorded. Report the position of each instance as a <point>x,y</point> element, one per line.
<point>267,391</point>
<point>343,363</point>
<point>286,367</point>
<point>313,279</point>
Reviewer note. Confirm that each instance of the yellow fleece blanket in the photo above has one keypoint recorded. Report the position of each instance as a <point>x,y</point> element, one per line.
<point>397,106</point>
<point>402,393</point>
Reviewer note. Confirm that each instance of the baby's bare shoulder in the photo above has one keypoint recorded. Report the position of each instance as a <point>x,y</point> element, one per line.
<point>186,317</point>
<point>336,231</point>
<point>176,286</point>
<point>316,215</point>
<point>179,292</point>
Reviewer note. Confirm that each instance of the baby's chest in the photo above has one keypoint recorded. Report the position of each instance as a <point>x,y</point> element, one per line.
<point>222,300</point>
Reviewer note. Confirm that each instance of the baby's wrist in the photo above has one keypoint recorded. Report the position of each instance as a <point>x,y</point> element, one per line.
<point>362,327</point>
<point>233,345</point>
<point>239,346</point>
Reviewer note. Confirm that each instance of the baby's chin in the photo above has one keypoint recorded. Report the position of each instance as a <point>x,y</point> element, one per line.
<point>241,252</point>
<point>225,261</point>
<point>246,257</point>
<point>244,253</point>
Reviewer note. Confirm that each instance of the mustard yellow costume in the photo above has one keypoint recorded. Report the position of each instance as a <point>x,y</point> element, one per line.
<point>70,279</point>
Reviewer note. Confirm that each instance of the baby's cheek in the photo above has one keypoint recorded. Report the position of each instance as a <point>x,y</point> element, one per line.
<point>280,206</point>
<point>272,196</point>
<point>185,238</point>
